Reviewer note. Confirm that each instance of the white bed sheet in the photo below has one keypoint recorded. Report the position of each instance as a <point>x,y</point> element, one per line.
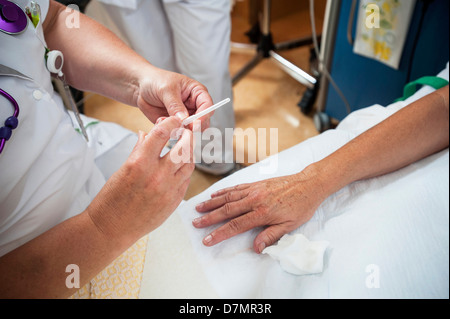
<point>398,222</point>
<point>394,227</point>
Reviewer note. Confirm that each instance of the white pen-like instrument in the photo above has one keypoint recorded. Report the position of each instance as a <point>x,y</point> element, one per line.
<point>194,117</point>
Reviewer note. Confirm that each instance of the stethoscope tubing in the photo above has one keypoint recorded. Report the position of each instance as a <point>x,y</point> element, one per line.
<point>13,102</point>
<point>16,114</point>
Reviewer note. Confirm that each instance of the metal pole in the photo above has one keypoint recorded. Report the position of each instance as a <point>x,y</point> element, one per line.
<point>329,34</point>
<point>265,28</point>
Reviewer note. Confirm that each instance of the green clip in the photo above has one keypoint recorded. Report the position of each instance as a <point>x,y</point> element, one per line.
<point>411,88</point>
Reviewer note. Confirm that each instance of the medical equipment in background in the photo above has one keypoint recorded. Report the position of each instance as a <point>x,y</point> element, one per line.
<point>381,29</point>
<point>322,120</point>
<point>267,49</point>
<point>324,56</point>
<point>365,81</point>
<point>317,83</point>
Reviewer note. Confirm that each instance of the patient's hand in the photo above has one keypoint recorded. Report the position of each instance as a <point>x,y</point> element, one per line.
<point>283,204</point>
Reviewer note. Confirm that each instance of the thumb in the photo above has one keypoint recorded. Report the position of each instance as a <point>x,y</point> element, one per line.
<point>156,140</point>
<point>175,106</point>
<point>268,237</point>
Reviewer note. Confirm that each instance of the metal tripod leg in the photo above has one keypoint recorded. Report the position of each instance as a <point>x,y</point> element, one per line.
<point>292,44</point>
<point>294,71</point>
<point>266,49</point>
<point>247,68</point>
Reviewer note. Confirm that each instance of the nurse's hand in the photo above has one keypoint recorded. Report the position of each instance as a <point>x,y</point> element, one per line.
<point>143,193</point>
<point>162,93</point>
<point>282,204</point>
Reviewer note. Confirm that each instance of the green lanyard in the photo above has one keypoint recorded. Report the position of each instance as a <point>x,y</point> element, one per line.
<point>411,88</point>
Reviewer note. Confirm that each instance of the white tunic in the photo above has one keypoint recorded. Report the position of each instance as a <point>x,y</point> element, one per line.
<point>47,170</point>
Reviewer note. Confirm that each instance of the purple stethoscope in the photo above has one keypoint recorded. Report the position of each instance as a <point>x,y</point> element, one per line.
<point>11,122</point>
<point>13,20</point>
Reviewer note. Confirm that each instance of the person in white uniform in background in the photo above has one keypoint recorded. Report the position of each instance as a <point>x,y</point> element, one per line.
<point>56,209</point>
<point>190,37</point>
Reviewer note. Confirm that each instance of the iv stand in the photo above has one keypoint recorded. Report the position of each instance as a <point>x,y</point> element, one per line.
<point>321,119</point>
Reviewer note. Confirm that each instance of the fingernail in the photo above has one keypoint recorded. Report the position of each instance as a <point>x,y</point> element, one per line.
<point>261,247</point>
<point>159,120</point>
<point>181,116</point>
<point>197,126</point>
<point>207,239</point>
<point>197,221</point>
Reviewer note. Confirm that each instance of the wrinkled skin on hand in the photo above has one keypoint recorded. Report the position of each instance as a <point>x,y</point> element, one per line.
<point>281,204</point>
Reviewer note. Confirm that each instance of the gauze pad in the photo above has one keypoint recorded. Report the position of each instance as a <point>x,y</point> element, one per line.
<point>297,255</point>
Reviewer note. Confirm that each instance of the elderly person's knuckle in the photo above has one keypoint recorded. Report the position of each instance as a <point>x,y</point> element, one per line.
<point>258,195</point>
<point>235,225</point>
<point>227,210</point>
<point>229,197</point>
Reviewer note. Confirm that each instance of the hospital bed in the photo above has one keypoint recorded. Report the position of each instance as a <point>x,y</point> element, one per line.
<point>396,224</point>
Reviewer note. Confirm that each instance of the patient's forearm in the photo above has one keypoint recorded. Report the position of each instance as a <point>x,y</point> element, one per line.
<point>413,133</point>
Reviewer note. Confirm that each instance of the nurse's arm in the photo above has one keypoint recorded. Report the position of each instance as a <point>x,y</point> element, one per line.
<point>96,60</point>
<point>137,199</point>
